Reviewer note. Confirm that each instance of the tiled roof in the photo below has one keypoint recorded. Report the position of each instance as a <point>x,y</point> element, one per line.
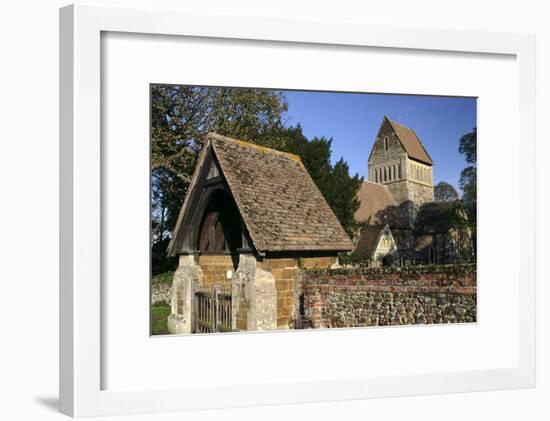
<point>373,198</point>
<point>281,206</point>
<point>411,143</point>
<point>368,241</point>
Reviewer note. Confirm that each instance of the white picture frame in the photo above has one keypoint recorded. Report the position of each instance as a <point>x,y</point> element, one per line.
<point>81,319</point>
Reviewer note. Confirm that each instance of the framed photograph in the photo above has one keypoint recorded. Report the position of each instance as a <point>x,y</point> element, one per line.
<point>263,211</point>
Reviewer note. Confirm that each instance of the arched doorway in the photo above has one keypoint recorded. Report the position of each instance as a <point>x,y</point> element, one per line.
<point>220,229</point>
<point>220,233</point>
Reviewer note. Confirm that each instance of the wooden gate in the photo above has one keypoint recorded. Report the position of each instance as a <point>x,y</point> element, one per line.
<point>212,310</point>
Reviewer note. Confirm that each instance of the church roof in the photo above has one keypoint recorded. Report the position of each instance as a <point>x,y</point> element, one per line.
<point>373,198</point>
<point>369,239</point>
<point>411,143</point>
<point>280,205</point>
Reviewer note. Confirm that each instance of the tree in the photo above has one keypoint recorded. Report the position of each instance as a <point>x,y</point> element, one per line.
<point>314,153</point>
<point>468,178</point>
<point>468,183</point>
<point>341,194</point>
<point>467,145</point>
<point>445,192</point>
<point>181,116</point>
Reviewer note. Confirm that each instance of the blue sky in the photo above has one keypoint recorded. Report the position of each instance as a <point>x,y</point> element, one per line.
<point>353,120</point>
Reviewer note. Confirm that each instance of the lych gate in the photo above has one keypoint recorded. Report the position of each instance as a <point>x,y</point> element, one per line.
<point>250,217</point>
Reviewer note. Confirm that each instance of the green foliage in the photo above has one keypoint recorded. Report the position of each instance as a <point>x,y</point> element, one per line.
<point>444,191</point>
<point>163,278</point>
<point>160,262</point>
<point>341,194</point>
<point>467,145</point>
<point>159,319</point>
<point>468,184</point>
<point>351,259</point>
<point>254,115</point>
<point>315,153</point>
<point>468,178</point>
<point>181,116</point>
<point>441,217</point>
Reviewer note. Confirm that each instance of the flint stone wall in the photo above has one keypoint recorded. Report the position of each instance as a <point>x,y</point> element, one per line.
<point>161,292</point>
<point>388,296</point>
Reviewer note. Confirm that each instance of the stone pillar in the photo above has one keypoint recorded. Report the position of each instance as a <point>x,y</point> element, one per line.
<point>254,297</point>
<point>186,278</point>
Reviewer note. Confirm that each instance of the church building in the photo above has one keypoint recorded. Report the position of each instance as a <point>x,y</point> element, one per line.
<point>399,197</point>
<point>399,161</point>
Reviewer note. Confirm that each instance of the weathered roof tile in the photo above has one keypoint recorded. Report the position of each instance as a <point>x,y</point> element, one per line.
<point>411,143</point>
<point>368,241</point>
<point>280,204</point>
<point>373,198</point>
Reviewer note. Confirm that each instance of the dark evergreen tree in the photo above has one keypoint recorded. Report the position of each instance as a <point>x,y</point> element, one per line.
<point>334,181</point>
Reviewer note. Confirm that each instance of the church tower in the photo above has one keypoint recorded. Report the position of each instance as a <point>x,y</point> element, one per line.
<point>399,161</point>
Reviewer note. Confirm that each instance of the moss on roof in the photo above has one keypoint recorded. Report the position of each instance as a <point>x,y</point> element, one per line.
<point>281,206</point>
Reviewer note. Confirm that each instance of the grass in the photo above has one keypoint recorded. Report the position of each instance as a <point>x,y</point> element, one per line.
<point>161,310</point>
<point>160,315</point>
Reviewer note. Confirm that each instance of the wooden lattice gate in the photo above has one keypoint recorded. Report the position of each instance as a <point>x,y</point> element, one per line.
<point>212,310</point>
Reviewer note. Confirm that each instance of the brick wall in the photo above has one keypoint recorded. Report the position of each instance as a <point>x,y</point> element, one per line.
<point>388,296</point>
<point>285,271</point>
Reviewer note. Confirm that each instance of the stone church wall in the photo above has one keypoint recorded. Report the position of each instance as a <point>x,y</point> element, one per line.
<point>388,296</point>
<point>381,155</point>
<point>409,190</point>
<point>406,179</point>
<point>399,190</point>
<point>420,193</point>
